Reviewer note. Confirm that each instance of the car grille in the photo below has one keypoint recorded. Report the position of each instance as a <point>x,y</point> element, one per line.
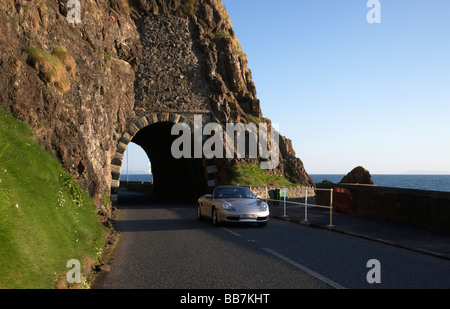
<point>234,218</point>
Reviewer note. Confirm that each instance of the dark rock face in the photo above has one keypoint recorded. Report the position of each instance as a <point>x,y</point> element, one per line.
<point>80,126</point>
<point>292,167</point>
<point>359,175</point>
<point>134,60</point>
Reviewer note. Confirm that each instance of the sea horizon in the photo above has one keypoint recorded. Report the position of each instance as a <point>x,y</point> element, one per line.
<point>432,182</point>
<point>419,174</point>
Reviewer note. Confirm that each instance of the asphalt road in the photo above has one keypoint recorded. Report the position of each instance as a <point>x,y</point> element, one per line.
<point>163,246</point>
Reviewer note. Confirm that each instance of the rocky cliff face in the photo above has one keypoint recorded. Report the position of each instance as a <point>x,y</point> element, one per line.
<point>79,84</point>
<point>78,122</point>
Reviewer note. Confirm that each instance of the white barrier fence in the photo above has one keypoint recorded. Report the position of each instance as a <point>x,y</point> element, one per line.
<point>285,201</point>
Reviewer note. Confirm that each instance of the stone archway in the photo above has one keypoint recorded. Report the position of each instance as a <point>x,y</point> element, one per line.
<point>188,177</point>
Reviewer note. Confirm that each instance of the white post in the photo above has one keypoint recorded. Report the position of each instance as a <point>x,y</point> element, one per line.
<point>284,198</point>
<point>127,164</point>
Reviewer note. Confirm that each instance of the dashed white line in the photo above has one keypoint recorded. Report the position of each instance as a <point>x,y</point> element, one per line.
<point>293,263</point>
<point>305,269</point>
<point>231,232</point>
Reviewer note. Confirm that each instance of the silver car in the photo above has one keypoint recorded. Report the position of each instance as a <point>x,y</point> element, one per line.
<point>229,204</point>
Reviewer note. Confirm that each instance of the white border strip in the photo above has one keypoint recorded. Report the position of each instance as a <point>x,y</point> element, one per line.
<point>306,269</point>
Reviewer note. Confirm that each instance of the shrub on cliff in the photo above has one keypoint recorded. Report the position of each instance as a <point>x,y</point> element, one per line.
<point>53,68</point>
<point>66,59</point>
<point>188,7</point>
<point>252,174</point>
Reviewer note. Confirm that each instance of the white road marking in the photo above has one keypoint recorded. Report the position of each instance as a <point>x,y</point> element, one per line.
<point>293,263</point>
<point>231,232</point>
<point>305,269</point>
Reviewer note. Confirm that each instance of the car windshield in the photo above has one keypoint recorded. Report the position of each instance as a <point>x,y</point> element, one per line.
<point>221,193</point>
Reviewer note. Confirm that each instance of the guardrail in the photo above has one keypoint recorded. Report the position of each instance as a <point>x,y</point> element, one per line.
<point>306,205</point>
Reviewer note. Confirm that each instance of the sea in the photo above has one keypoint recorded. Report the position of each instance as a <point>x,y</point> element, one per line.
<point>137,177</point>
<point>406,181</point>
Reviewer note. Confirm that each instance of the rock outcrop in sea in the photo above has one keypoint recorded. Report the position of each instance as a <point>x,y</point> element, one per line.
<point>359,175</point>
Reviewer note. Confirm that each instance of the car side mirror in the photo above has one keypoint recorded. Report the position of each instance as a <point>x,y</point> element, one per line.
<point>208,195</point>
<point>258,197</point>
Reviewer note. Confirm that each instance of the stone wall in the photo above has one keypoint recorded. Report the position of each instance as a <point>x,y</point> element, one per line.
<point>294,194</point>
<point>169,76</point>
<point>430,209</point>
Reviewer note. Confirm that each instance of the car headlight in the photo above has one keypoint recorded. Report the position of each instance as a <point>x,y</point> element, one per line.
<point>228,207</point>
<point>263,207</point>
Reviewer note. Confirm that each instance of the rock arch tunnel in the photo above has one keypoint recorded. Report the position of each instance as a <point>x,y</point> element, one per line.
<point>180,179</point>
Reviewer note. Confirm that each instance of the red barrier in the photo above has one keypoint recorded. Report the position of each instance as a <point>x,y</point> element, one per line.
<point>341,200</point>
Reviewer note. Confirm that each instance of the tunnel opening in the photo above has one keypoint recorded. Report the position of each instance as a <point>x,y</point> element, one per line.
<point>136,165</point>
<point>173,179</point>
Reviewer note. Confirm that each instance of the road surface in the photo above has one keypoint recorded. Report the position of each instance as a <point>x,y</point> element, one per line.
<point>163,246</point>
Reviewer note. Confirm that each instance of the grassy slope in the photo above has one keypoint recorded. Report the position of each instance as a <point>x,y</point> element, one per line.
<point>41,227</point>
<point>252,174</point>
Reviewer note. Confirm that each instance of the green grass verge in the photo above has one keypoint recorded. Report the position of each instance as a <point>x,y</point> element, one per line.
<point>45,220</point>
<point>252,174</point>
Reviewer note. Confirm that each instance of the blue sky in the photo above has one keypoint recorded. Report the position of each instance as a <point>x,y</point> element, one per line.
<point>350,93</point>
<point>347,92</point>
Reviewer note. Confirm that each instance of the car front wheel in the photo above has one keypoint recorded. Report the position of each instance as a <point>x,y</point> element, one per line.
<point>214,217</point>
